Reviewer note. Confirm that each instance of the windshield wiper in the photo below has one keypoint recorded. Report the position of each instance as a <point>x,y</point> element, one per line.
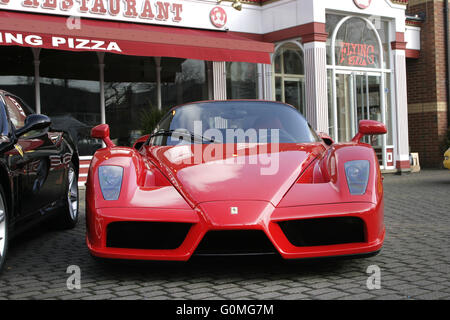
<point>189,134</point>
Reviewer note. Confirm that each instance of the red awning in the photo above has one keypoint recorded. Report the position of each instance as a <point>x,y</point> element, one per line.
<point>51,32</point>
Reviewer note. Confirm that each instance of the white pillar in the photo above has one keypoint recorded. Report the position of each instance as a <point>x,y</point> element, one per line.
<point>316,111</point>
<point>158,83</point>
<point>260,81</point>
<point>401,112</point>
<point>220,80</point>
<point>37,78</point>
<point>101,65</point>
<point>268,82</point>
<point>210,77</point>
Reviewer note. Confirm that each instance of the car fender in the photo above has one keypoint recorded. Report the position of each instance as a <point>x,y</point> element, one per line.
<point>325,181</point>
<point>8,185</point>
<point>143,185</point>
<point>127,158</point>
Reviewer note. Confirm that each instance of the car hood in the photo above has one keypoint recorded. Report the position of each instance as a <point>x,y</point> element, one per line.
<point>224,172</point>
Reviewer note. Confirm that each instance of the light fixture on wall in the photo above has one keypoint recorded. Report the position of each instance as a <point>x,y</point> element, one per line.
<point>236,4</point>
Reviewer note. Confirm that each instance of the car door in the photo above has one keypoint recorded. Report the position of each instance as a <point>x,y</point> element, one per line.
<point>17,161</point>
<point>41,161</point>
<point>13,163</point>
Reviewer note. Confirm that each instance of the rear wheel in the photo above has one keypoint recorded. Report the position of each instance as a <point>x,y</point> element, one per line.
<point>68,215</point>
<point>3,229</point>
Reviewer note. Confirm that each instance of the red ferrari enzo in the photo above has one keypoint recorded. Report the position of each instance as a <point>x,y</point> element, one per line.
<point>234,178</point>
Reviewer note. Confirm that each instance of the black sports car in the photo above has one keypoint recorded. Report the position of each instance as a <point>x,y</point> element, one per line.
<point>38,172</point>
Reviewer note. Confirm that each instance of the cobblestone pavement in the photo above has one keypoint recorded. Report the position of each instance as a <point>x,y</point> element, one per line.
<point>414,262</point>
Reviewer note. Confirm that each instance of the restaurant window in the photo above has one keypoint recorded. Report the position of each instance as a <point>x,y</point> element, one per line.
<point>242,80</point>
<point>17,73</point>
<point>131,92</point>
<point>190,83</point>
<point>127,104</point>
<point>289,71</point>
<point>70,95</point>
<point>357,43</point>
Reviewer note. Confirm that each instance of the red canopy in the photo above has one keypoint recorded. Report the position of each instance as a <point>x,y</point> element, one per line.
<point>52,32</point>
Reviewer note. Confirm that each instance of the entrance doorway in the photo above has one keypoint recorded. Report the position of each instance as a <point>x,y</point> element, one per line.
<point>359,98</point>
<point>359,78</point>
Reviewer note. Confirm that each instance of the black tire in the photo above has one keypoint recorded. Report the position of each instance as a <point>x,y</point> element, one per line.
<point>3,229</point>
<point>67,216</point>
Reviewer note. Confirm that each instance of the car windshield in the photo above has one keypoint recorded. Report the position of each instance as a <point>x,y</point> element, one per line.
<point>233,122</point>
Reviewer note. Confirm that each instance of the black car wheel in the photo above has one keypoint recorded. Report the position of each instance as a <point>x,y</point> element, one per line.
<point>3,229</point>
<point>68,216</point>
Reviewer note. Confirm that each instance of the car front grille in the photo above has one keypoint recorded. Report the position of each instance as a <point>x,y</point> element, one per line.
<point>324,231</point>
<point>146,235</point>
<point>235,242</point>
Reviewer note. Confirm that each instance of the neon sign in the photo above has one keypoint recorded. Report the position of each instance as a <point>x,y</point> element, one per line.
<point>357,54</point>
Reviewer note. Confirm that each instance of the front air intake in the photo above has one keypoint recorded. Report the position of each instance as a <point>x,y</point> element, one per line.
<point>146,235</point>
<point>323,231</point>
<point>235,242</point>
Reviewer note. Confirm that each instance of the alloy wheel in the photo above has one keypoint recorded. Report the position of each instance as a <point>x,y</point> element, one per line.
<point>72,194</point>
<point>2,228</point>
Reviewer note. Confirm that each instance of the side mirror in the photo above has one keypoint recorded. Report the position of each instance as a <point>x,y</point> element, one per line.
<point>139,142</point>
<point>102,132</point>
<point>369,128</point>
<point>326,138</point>
<point>34,122</point>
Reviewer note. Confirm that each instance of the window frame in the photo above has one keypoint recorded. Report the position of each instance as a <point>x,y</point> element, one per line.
<point>279,51</point>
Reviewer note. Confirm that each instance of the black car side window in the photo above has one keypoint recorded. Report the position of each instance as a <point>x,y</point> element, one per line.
<point>17,112</point>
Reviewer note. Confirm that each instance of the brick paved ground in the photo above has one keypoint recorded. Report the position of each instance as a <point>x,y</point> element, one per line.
<point>414,262</point>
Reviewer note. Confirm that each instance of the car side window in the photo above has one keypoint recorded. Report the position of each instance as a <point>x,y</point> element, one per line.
<point>17,112</point>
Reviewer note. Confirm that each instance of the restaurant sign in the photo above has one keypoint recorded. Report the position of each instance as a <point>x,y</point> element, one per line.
<point>58,42</point>
<point>356,54</point>
<point>162,12</point>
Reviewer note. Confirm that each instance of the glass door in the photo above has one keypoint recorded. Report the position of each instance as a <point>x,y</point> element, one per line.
<point>291,90</point>
<point>367,88</point>
<point>293,93</point>
<point>345,94</point>
<point>358,97</point>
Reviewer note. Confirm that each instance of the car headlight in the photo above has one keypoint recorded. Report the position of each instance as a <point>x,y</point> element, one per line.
<point>110,178</point>
<point>357,173</point>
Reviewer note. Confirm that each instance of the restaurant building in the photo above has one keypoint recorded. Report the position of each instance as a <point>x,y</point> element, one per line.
<point>85,62</point>
<point>428,83</point>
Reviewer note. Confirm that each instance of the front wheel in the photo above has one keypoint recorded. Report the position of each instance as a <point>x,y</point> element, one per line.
<point>68,216</point>
<point>3,228</point>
